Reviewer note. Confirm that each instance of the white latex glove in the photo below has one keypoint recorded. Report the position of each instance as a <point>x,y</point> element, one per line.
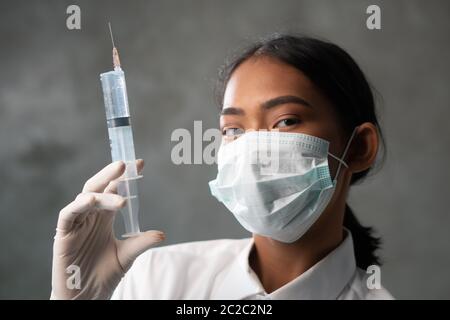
<point>85,240</point>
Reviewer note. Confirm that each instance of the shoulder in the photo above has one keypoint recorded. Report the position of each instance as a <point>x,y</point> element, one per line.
<point>179,270</point>
<point>202,248</point>
<point>358,289</point>
<point>215,253</point>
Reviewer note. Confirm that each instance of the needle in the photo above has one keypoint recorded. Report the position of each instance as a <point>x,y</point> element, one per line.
<point>115,53</point>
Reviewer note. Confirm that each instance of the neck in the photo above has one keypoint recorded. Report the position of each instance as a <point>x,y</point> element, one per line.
<point>277,263</point>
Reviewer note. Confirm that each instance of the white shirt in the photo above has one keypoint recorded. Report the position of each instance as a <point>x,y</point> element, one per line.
<point>219,269</point>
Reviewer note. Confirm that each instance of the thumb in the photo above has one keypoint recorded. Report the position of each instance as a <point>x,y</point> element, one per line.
<point>128,250</point>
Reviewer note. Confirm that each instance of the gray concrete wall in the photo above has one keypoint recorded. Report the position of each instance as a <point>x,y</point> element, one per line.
<point>53,134</point>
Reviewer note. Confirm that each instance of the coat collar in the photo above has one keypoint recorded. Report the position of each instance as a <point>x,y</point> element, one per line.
<point>325,280</point>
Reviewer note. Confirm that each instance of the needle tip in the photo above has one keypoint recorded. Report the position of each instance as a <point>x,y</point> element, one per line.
<point>110,32</point>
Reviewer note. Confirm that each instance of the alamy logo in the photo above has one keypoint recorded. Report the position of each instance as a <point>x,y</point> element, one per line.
<point>203,147</point>
<point>73,21</point>
<point>374,278</point>
<point>374,20</point>
<point>74,280</point>
<point>188,144</point>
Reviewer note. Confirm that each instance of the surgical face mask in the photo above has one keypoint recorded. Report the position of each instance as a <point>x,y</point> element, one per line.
<point>276,184</point>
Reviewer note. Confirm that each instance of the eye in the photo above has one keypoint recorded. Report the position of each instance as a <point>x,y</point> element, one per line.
<point>232,132</point>
<point>287,122</point>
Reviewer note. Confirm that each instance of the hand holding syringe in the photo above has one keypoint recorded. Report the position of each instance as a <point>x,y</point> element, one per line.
<point>121,140</point>
<point>85,237</point>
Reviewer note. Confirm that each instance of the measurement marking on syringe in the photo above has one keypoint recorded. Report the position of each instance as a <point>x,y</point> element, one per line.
<point>131,197</point>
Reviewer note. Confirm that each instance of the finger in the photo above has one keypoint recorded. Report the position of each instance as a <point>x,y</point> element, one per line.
<point>69,213</point>
<point>108,201</point>
<point>99,181</point>
<point>112,186</point>
<point>131,248</point>
<point>84,204</point>
<point>140,165</point>
<point>104,203</point>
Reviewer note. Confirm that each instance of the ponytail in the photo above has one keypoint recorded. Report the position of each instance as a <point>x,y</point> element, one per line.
<point>365,244</point>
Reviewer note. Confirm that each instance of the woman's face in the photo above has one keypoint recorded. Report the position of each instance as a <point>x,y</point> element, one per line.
<point>266,94</point>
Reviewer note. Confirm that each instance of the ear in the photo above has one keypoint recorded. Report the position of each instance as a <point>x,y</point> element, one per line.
<point>364,148</point>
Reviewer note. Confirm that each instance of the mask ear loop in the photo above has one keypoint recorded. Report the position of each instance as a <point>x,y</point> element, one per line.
<point>341,160</point>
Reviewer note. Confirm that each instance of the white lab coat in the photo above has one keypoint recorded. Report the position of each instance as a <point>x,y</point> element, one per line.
<point>219,269</point>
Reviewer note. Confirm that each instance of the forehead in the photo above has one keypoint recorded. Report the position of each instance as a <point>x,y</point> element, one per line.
<point>259,79</point>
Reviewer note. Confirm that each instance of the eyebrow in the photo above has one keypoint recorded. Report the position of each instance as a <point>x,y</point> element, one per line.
<point>284,100</point>
<point>268,104</point>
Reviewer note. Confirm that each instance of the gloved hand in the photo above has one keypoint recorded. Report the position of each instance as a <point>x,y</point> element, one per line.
<point>85,240</point>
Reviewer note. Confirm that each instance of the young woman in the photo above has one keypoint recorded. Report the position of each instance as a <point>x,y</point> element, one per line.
<point>310,99</point>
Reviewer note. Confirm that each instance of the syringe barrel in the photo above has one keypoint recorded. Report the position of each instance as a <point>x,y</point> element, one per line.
<point>121,143</point>
<point>118,120</point>
<point>115,94</point>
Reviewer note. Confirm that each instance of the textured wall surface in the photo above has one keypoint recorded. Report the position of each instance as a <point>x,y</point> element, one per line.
<point>53,133</point>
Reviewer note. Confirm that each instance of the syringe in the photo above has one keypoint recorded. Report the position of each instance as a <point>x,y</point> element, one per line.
<point>121,140</point>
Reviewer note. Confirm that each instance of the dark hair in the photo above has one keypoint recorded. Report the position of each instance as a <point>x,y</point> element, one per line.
<point>339,78</point>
